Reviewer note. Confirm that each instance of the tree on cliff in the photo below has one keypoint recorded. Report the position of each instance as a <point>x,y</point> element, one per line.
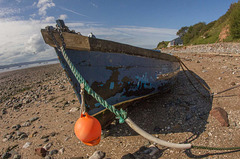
<point>181,32</point>
<point>193,32</point>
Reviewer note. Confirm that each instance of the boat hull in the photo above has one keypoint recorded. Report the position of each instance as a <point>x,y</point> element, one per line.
<point>118,78</point>
<point>121,74</point>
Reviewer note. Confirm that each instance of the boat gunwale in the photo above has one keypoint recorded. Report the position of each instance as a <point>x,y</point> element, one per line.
<point>75,41</point>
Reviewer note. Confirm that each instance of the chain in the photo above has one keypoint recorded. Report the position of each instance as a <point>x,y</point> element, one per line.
<point>50,32</point>
<point>61,36</point>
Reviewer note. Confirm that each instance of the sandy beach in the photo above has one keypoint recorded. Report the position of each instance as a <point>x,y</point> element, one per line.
<point>39,107</point>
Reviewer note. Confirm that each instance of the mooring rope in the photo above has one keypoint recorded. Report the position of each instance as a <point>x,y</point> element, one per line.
<point>189,80</point>
<point>120,114</point>
<point>215,148</point>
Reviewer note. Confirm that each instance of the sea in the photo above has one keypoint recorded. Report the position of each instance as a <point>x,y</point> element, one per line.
<point>22,65</point>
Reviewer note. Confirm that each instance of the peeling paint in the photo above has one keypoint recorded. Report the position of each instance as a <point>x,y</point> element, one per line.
<point>111,85</point>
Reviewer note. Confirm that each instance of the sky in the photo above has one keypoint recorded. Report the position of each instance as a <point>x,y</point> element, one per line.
<point>141,23</point>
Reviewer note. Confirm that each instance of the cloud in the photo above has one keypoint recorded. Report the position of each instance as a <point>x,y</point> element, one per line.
<point>21,41</point>
<point>63,16</point>
<point>94,5</point>
<point>32,15</point>
<point>34,4</point>
<point>148,30</point>
<point>72,11</point>
<point>49,19</point>
<point>6,12</point>
<point>43,5</point>
<point>35,44</point>
<point>146,37</point>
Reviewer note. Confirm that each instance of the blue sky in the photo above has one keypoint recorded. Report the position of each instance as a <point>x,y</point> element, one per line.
<point>142,23</point>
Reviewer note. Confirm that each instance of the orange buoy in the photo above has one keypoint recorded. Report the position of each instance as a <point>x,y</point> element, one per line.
<point>88,129</point>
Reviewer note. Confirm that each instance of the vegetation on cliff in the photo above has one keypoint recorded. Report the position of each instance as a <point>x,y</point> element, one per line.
<point>162,44</point>
<point>225,29</point>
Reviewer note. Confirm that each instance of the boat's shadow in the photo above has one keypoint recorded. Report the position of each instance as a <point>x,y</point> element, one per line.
<point>182,109</point>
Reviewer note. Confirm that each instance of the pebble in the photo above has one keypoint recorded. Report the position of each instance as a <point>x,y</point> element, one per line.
<point>16,156</point>
<point>74,109</point>
<point>4,111</point>
<point>10,148</point>
<point>147,151</point>
<point>128,156</point>
<point>147,143</point>
<point>61,151</point>
<point>16,107</point>
<point>53,134</point>
<point>33,134</point>
<point>44,136</point>
<point>97,155</point>
<point>33,119</point>
<point>6,155</point>
<point>61,87</point>
<point>209,134</point>
<point>26,124</point>
<point>26,145</point>
<point>105,133</point>
<point>67,138</point>
<point>5,140</point>
<point>47,146</point>
<point>66,103</point>
<point>46,140</point>
<point>221,115</point>
<point>154,150</point>
<point>53,152</point>
<point>8,136</point>
<point>16,127</point>
<point>41,152</point>
<point>23,136</point>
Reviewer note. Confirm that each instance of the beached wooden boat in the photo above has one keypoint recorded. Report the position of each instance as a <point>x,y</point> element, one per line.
<point>119,73</point>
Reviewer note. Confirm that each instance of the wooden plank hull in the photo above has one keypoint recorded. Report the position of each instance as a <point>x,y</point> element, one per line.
<point>119,73</point>
<point>119,78</point>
